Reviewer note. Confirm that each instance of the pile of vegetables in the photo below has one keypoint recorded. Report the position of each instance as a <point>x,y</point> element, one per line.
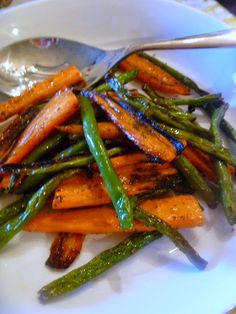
<point>112,159</point>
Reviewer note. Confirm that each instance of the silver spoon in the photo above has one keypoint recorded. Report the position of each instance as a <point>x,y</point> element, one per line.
<point>24,63</point>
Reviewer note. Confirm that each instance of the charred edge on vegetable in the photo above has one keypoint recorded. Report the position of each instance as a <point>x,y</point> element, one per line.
<point>25,168</point>
<point>116,84</point>
<point>17,126</point>
<point>142,118</point>
<point>9,136</point>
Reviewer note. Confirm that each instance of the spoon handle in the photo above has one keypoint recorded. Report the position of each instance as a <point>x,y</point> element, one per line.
<point>225,38</point>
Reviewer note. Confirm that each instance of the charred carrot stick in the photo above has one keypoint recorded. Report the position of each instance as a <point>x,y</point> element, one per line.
<point>142,134</point>
<point>9,136</point>
<point>182,211</point>
<point>64,250</point>
<point>61,107</point>
<point>40,92</point>
<point>107,130</point>
<point>200,163</point>
<point>83,190</point>
<point>153,75</point>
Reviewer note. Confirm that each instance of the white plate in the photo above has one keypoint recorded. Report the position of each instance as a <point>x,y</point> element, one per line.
<point>158,279</point>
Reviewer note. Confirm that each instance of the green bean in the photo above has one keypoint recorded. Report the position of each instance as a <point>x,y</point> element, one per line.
<point>203,144</point>
<point>157,99</point>
<point>227,192</point>
<point>217,116</point>
<point>52,166</point>
<point>105,260</point>
<point>197,102</point>
<point>195,180</point>
<point>72,150</point>
<point>124,78</point>
<point>120,200</point>
<point>171,118</point>
<point>44,148</point>
<point>165,229</point>
<point>167,106</point>
<point>226,127</point>
<point>13,209</point>
<point>34,205</point>
<point>173,104</point>
<point>34,180</point>
<point>98,265</point>
<point>151,110</point>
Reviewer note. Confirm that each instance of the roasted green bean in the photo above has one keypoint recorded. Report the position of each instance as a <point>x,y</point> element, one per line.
<point>98,265</point>
<point>227,192</point>
<point>34,205</point>
<point>121,202</point>
<point>196,181</point>
<point>53,166</point>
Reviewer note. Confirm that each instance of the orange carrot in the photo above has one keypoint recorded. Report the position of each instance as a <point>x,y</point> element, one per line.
<point>64,250</point>
<point>182,211</point>
<point>129,159</point>
<point>40,92</point>
<point>204,162</point>
<point>153,75</point>
<point>82,190</point>
<point>198,160</point>
<point>107,130</point>
<point>60,108</point>
<point>142,134</point>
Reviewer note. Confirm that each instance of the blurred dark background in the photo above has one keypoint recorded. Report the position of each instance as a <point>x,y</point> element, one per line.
<point>229,4</point>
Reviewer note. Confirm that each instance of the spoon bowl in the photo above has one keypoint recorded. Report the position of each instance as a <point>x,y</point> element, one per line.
<point>24,63</point>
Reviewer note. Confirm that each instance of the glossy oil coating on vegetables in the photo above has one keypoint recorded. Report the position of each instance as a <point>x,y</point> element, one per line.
<point>114,159</point>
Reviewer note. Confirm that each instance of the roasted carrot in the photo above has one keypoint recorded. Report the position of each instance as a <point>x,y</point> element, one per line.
<point>141,133</point>
<point>40,92</point>
<point>181,211</point>
<point>6,139</point>
<point>204,162</point>
<point>200,163</point>
<point>129,159</point>
<point>107,130</point>
<point>17,125</point>
<point>153,75</point>
<point>61,107</point>
<point>84,190</point>
<point>64,249</point>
